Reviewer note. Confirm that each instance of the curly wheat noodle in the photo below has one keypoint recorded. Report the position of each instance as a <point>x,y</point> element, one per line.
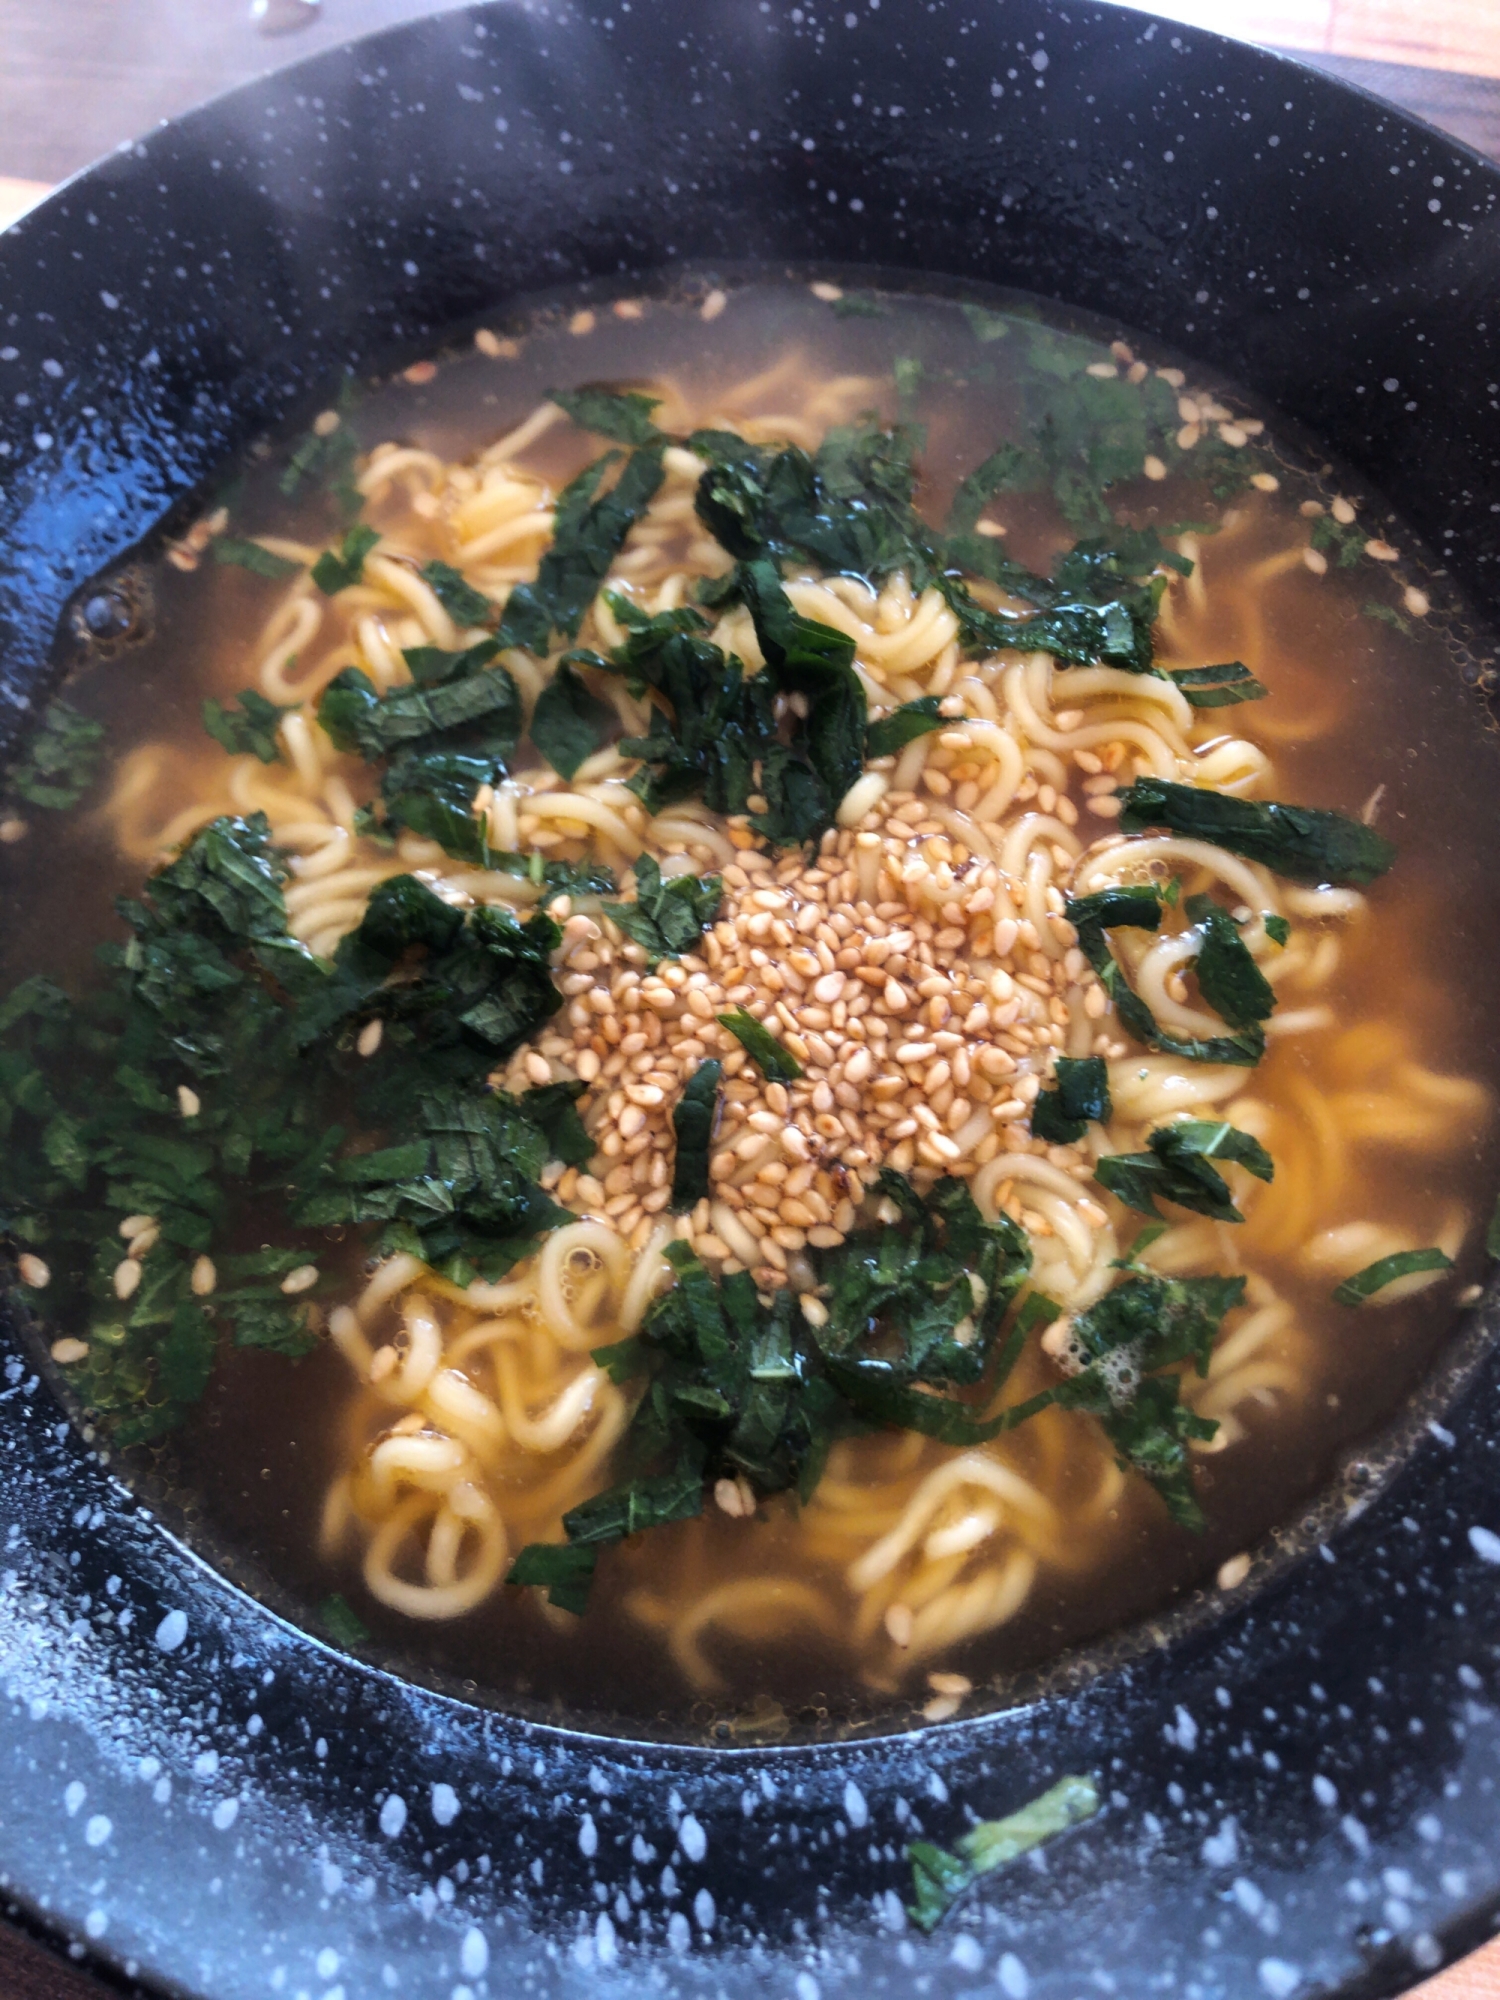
<point>565,1257</point>
<point>484,1419</point>
<point>464,1512</point>
<point>752,1607</point>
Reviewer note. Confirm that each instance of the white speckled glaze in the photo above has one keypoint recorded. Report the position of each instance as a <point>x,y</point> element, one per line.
<point>1300,1791</point>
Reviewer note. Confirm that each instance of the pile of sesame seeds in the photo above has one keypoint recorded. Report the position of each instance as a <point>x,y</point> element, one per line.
<point>900,969</point>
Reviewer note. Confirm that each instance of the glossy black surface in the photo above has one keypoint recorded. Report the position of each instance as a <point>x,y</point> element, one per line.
<point>1302,1790</point>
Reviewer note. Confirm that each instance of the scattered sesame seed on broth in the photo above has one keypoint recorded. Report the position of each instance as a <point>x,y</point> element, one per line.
<point>779,1024</point>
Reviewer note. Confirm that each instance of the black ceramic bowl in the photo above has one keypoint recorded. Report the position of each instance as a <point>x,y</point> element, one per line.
<point>1301,1790</point>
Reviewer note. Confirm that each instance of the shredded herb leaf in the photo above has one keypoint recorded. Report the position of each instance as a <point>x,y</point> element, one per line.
<point>1304,843</point>
<point>736,1387</point>
<point>1385,614</point>
<point>249,730</point>
<point>328,457</point>
<point>558,878</point>
<point>667,918</point>
<point>588,533</point>
<point>1218,687</point>
<point>935,1289</point>
<point>1148,1323</point>
<point>722,736</point>
<point>1003,470</point>
<point>908,372</point>
<point>1177,1168</point>
<point>775,1063</point>
<point>1100,603</point>
<point>341,1621</point>
<point>457,702</point>
<point>1228,977</point>
<point>858,305</point>
<point>939,1875</point>
<point>693,1123</point>
<point>465,605</point>
<point>563,1569</point>
<point>1140,907</point>
<point>621,415</point>
<point>1344,540</point>
<point>551,1108</point>
<point>902,726</point>
<point>985,324</point>
<point>251,556</point>
<point>1385,1270</point>
<point>569,722</point>
<point>333,573</point>
<point>60,760</point>
<point>1277,929</point>
<point>1062,1116</point>
<point>1091,433</point>
<point>211,990</point>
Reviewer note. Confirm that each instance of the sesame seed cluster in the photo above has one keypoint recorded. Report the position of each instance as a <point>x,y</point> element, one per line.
<point>901,970</point>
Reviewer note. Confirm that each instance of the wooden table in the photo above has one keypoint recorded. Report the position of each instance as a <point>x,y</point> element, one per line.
<point>80,77</point>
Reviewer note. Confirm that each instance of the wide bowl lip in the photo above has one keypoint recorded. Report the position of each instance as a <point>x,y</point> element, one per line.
<point>967,1729</point>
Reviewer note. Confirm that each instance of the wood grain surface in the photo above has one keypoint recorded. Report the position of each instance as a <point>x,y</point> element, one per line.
<point>1439,34</point>
<point>79,78</point>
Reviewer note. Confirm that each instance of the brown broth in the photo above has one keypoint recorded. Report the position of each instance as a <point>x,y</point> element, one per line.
<point>247,1479</point>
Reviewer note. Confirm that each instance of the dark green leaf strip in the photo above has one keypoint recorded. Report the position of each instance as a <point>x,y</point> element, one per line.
<point>59,761</point>
<point>570,723</point>
<point>1062,1116</point>
<point>333,573</point>
<point>1218,687</point>
<point>251,556</point>
<point>938,1875</point>
<point>564,1570</point>
<point>1140,908</point>
<point>1304,843</point>
<point>1385,1271</point>
<point>248,730</point>
<point>693,1120</point>
<point>588,533</point>
<point>775,1063</point>
<point>625,417</point>
<point>1178,1168</point>
<point>667,918</point>
<point>465,605</point>
<point>902,726</point>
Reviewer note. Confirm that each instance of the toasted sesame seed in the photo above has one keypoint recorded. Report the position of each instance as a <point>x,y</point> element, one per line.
<point>68,1350</point>
<point>899,1624</point>
<point>204,1277</point>
<point>370,1037</point>
<point>33,1271</point>
<point>127,1277</point>
<point>958,1685</point>
<point>301,1280</point>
